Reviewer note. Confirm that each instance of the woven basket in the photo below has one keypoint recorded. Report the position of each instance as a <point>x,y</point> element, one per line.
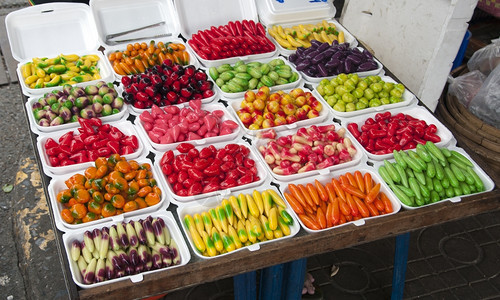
<point>480,137</point>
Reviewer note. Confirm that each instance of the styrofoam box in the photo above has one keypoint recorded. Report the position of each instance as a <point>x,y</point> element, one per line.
<point>105,72</point>
<point>113,16</point>
<point>57,184</point>
<point>325,178</point>
<point>348,37</point>
<point>213,202</point>
<point>138,111</point>
<point>124,126</point>
<point>205,141</point>
<point>182,200</point>
<point>407,99</point>
<point>110,49</point>
<point>78,234</point>
<point>235,106</point>
<point>487,181</point>
<point>197,15</point>
<point>122,115</point>
<point>316,80</point>
<point>28,33</point>
<point>359,157</point>
<point>290,85</point>
<point>417,112</point>
<point>274,12</point>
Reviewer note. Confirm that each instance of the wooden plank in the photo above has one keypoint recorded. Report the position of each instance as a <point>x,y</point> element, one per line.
<point>10,62</point>
<point>199,271</point>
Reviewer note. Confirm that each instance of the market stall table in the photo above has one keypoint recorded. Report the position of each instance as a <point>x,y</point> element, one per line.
<point>303,245</point>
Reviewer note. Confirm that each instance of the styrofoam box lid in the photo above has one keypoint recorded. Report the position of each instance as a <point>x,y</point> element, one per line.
<point>52,28</point>
<point>417,112</point>
<point>57,184</point>
<point>235,106</point>
<point>291,85</point>
<point>359,157</point>
<point>182,200</point>
<point>206,141</point>
<point>37,129</point>
<point>124,126</point>
<point>197,15</point>
<point>407,99</point>
<point>170,223</point>
<point>487,181</point>
<point>272,12</point>
<point>213,202</point>
<point>113,16</point>
<point>316,80</point>
<point>325,178</point>
<point>348,37</point>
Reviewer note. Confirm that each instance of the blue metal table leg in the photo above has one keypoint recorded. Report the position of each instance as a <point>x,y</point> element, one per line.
<point>293,279</point>
<point>271,280</point>
<point>245,287</point>
<point>400,260</point>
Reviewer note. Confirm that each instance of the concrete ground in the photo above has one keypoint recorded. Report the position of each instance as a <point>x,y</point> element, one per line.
<point>456,260</point>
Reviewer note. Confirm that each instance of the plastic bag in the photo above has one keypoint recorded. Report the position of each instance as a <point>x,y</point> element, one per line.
<point>486,104</point>
<point>465,87</point>
<point>486,59</point>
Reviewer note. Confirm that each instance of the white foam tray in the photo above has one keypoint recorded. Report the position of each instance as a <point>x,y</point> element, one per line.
<point>137,111</point>
<point>110,49</point>
<point>348,37</point>
<point>415,111</point>
<point>213,202</point>
<point>124,126</point>
<point>175,233</point>
<point>234,106</point>
<point>181,200</point>
<point>408,99</point>
<point>104,70</point>
<point>274,88</point>
<point>37,129</point>
<point>327,177</point>
<point>57,184</point>
<point>206,141</point>
<point>316,80</point>
<point>487,181</point>
<point>358,158</point>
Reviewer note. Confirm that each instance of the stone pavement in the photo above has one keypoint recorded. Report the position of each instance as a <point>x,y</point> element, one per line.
<point>455,260</point>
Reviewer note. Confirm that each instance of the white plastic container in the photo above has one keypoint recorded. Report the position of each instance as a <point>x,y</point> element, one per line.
<point>316,80</point>
<point>57,184</point>
<point>37,129</point>
<point>124,126</point>
<point>348,37</point>
<point>408,99</point>
<point>358,158</point>
<point>175,233</point>
<point>213,202</point>
<point>197,15</point>
<point>291,85</point>
<point>234,106</point>
<point>206,141</point>
<point>31,32</point>
<point>487,181</point>
<point>327,177</point>
<point>415,111</point>
<point>182,200</point>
